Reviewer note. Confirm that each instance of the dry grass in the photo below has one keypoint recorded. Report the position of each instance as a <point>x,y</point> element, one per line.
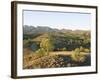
<point>32,60</point>
<point>67,53</point>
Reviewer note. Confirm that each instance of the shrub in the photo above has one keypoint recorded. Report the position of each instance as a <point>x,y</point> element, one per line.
<point>77,56</point>
<point>86,50</point>
<point>41,52</point>
<point>77,51</point>
<point>81,49</point>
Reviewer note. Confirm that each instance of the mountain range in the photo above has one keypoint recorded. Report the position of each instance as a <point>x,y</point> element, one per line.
<point>44,29</point>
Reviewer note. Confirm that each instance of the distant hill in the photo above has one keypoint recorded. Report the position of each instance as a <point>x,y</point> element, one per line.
<point>43,29</point>
<point>38,29</point>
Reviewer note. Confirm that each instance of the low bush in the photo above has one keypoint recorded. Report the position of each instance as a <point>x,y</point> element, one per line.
<point>41,52</point>
<point>86,50</point>
<point>77,56</point>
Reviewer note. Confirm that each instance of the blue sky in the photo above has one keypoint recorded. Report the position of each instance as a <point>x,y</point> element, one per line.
<point>59,20</point>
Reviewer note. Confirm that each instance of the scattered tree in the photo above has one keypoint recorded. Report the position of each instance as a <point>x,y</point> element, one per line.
<point>47,45</point>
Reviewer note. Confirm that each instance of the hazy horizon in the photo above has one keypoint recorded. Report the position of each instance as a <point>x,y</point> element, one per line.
<point>58,28</point>
<point>57,20</point>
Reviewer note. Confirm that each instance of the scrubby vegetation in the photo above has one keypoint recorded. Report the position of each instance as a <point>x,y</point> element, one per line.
<point>45,47</point>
